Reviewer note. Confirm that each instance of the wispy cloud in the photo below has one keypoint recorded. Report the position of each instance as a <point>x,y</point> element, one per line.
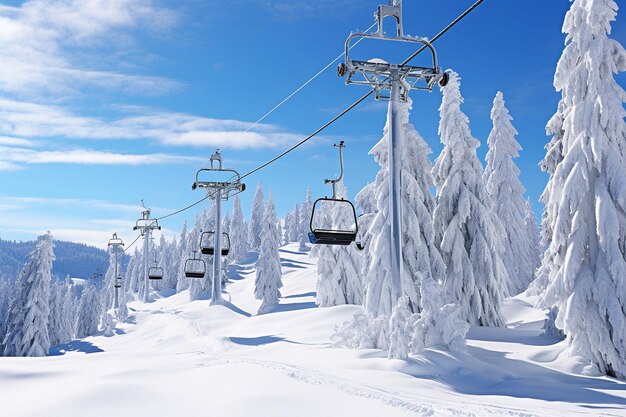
<point>29,120</point>
<point>11,157</point>
<point>47,45</point>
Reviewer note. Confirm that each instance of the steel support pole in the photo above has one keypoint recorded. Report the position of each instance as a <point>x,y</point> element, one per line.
<point>395,187</point>
<point>116,304</point>
<point>216,296</point>
<point>146,257</point>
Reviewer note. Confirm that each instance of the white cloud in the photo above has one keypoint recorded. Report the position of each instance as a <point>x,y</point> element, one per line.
<point>10,155</point>
<point>30,120</point>
<point>47,45</point>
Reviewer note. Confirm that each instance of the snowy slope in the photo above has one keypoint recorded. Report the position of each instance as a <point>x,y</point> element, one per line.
<point>178,358</point>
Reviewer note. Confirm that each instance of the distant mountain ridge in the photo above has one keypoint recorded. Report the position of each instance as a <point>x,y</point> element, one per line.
<point>75,259</point>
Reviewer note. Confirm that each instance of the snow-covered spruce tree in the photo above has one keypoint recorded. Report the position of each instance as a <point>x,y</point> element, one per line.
<point>287,220</point>
<point>305,218</point>
<point>256,219</point>
<point>89,312</point>
<point>184,252</point>
<point>238,233</point>
<point>134,274</point>
<point>438,324</point>
<point>347,258</point>
<point>27,331</point>
<point>532,235</point>
<point>294,229</point>
<point>201,288</point>
<point>268,268</point>
<point>507,194</point>
<point>108,288</point>
<point>366,203</point>
<point>419,251</point>
<point>588,243</point>
<point>465,233</point>
<point>66,328</point>
<point>550,198</point>
<point>328,291</point>
<point>60,327</point>
<point>399,332</point>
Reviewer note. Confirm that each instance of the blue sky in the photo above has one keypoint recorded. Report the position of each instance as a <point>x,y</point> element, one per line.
<point>106,102</point>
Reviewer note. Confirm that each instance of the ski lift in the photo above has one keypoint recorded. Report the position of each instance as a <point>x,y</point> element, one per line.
<point>207,243</point>
<point>378,73</point>
<point>195,267</point>
<point>155,272</point>
<point>118,282</point>
<point>324,234</point>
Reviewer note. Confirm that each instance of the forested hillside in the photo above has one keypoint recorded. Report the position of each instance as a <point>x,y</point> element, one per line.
<point>75,259</point>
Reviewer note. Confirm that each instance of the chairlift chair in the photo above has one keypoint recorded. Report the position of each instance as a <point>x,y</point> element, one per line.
<point>118,282</point>
<point>207,243</point>
<point>195,267</point>
<point>324,234</point>
<point>155,273</point>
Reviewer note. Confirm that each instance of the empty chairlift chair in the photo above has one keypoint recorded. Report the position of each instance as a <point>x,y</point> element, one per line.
<point>155,272</point>
<point>207,243</point>
<point>325,234</point>
<point>322,230</point>
<point>195,267</point>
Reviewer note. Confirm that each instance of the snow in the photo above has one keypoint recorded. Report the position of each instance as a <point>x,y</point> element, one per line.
<point>177,358</point>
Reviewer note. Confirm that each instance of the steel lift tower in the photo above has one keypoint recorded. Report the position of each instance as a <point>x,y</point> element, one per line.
<point>392,82</point>
<point>218,189</point>
<point>115,243</point>
<point>146,225</point>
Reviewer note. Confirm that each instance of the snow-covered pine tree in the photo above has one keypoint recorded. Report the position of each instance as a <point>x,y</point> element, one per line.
<point>56,302</point>
<point>184,252</point>
<point>67,321</point>
<point>89,313</point>
<point>587,247</point>
<point>532,235</point>
<point>199,288</point>
<point>27,331</point>
<point>305,218</point>
<point>348,260</point>
<point>438,324</point>
<point>366,203</point>
<point>239,234</point>
<point>134,274</point>
<point>420,254</point>
<point>256,219</point>
<point>286,229</point>
<point>294,230</point>
<point>108,288</point>
<point>328,291</point>
<point>399,332</point>
<point>268,268</point>
<point>507,195</point>
<point>464,230</point>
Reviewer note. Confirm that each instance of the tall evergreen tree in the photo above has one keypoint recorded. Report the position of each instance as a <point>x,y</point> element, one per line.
<point>587,251</point>
<point>464,230</point>
<point>29,313</point>
<point>420,254</point>
<point>239,234</point>
<point>507,194</point>
<point>268,268</point>
<point>256,219</point>
<point>89,312</point>
<point>305,218</point>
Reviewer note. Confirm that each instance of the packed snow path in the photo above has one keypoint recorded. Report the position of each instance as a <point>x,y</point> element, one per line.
<point>177,358</point>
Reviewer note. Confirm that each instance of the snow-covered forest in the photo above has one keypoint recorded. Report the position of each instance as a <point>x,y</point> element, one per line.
<point>489,311</point>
